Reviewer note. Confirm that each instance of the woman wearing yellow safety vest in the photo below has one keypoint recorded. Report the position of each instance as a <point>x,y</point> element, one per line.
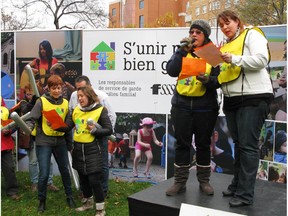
<point>49,141</point>
<point>247,90</point>
<point>194,108</point>
<point>92,123</point>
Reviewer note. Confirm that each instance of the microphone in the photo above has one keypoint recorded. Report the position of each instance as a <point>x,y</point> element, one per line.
<point>185,43</point>
<point>90,122</point>
<point>38,64</point>
<point>97,125</point>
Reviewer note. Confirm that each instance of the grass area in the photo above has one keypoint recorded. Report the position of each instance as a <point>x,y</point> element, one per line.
<point>116,203</point>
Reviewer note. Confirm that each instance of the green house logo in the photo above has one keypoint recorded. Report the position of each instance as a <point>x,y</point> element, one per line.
<point>102,57</point>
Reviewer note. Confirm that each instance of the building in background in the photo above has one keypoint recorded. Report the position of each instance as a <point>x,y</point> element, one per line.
<point>145,13</point>
<point>208,9</point>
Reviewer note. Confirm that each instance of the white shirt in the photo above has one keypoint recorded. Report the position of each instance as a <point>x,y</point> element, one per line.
<point>254,61</point>
<point>104,101</point>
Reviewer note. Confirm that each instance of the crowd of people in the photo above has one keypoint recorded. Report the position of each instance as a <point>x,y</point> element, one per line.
<point>85,120</point>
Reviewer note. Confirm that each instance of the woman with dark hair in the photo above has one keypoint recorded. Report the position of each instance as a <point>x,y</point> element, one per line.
<point>41,66</point>
<point>87,153</point>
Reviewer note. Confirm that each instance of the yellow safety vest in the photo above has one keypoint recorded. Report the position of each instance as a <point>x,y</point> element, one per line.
<point>61,109</point>
<point>4,114</point>
<point>230,72</point>
<point>190,86</point>
<point>81,133</point>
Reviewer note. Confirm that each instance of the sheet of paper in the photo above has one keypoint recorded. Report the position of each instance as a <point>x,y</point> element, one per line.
<point>192,67</point>
<point>210,53</point>
<point>187,209</point>
<point>55,120</point>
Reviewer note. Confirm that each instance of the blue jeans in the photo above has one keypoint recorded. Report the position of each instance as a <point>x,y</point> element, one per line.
<point>60,154</point>
<point>33,165</point>
<point>245,125</point>
<point>105,168</point>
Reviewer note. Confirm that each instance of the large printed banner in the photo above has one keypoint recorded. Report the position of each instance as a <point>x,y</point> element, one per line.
<point>130,66</point>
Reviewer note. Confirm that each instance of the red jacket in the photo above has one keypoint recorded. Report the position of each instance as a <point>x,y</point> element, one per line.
<point>7,142</point>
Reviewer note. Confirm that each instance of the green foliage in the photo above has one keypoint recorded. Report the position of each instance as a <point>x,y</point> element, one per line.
<point>116,203</point>
<point>167,20</point>
<point>263,12</point>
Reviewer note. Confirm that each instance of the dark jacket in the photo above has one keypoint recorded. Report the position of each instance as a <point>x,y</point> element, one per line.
<point>206,102</point>
<point>87,157</point>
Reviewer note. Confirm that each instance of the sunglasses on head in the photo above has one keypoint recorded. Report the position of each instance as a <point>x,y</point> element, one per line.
<point>198,32</point>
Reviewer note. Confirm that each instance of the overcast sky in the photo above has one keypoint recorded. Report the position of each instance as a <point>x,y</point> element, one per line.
<point>46,21</point>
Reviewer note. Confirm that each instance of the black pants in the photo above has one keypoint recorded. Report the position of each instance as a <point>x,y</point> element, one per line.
<point>91,185</point>
<point>188,123</point>
<point>8,170</point>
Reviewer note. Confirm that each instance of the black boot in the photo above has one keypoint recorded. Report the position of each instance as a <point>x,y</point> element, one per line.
<point>42,206</point>
<point>70,202</point>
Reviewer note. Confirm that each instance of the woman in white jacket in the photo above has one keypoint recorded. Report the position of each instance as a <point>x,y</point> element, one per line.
<point>247,91</point>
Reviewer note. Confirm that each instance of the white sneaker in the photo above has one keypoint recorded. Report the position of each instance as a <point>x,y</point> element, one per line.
<point>100,209</point>
<point>89,204</point>
<point>135,174</point>
<point>100,213</point>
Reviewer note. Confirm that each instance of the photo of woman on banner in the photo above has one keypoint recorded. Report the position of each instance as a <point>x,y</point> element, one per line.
<point>41,66</point>
<point>57,53</point>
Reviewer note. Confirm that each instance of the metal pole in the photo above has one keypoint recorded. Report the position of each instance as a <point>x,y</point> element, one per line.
<point>73,172</point>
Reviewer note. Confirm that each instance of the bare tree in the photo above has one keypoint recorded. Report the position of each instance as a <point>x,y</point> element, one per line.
<point>264,12</point>
<point>10,22</point>
<point>68,14</point>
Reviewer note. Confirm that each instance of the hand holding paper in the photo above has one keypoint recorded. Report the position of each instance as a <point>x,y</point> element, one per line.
<point>210,53</point>
<point>192,67</point>
<point>54,119</point>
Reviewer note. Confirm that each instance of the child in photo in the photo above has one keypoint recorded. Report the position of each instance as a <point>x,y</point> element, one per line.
<point>143,144</point>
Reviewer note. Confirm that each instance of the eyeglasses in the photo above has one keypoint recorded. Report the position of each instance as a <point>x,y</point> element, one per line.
<point>29,94</point>
<point>198,32</point>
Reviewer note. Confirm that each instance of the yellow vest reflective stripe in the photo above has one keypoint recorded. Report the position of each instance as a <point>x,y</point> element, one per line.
<point>191,86</point>
<point>61,109</point>
<point>81,133</point>
<point>230,72</point>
